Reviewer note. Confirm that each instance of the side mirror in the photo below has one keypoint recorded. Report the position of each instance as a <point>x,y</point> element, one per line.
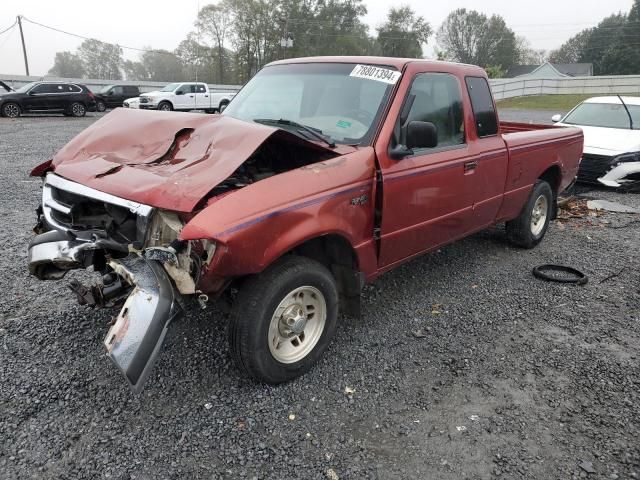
<point>31,92</point>
<point>110,92</point>
<point>556,118</point>
<point>179,92</point>
<point>421,135</point>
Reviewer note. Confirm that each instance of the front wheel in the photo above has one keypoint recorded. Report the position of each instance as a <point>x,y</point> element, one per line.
<point>283,320</point>
<point>529,228</point>
<point>165,107</point>
<point>11,110</point>
<point>77,109</point>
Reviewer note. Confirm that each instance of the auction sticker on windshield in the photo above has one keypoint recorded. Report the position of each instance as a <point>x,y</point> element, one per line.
<point>379,74</point>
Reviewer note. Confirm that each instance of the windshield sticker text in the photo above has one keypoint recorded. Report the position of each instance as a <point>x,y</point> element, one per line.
<point>375,73</point>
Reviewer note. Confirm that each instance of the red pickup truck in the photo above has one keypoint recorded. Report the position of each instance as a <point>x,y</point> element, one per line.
<point>322,174</point>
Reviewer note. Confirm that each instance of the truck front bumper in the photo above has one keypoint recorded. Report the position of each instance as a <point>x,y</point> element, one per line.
<point>134,340</point>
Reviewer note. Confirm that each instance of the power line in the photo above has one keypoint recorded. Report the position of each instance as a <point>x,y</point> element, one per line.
<point>144,50</point>
<point>9,28</point>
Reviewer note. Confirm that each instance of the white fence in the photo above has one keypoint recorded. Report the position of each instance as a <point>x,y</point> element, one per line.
<point>607,85</point>
<point>16,81</point>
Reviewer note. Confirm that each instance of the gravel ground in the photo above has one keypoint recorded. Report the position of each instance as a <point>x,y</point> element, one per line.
<point>506,376</point>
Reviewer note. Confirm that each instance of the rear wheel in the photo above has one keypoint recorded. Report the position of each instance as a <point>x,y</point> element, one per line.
<point>101,106</point>
<point>165,107</point>
<point>283,320</point>
<point>77,109</point>
<point>11,110</point>
<point>530,227</point>
<point>223,105</point>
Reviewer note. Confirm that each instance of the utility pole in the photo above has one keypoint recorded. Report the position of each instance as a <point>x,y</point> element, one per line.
<point>24,48</point>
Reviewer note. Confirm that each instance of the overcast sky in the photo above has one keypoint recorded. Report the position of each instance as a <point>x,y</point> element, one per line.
<point>161,24</point>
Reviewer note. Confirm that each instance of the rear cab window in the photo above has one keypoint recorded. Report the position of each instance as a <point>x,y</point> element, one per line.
<point>486,119</point>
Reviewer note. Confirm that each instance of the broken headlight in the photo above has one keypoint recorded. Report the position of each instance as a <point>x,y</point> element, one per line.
<point>164,229</point>
<point>625,157</point>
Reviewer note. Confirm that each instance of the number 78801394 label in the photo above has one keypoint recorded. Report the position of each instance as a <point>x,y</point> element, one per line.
<point>379,74</point>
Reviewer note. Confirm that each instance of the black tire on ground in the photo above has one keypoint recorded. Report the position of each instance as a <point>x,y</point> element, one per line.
<point>223,105</point>
<point>11,110</point>
<point>529,228</point>
<point>77,109</point>
<point>101,106</point>
<point>254,310</point>
<point>165,106</point>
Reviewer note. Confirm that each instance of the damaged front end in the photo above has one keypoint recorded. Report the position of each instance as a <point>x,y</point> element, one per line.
<point>144,268</point>
<point>624,172</point>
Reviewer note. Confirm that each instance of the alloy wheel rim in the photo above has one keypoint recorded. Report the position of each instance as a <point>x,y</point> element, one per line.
<point>539,215</point>
<point>78,109</point>
<point>297,324</point>
<point>11,110</point>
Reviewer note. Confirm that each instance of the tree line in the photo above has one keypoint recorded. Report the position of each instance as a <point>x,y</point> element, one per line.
<point>233,39</point>
<point>613,46</point>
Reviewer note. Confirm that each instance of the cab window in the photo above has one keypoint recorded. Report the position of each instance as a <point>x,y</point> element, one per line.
<point>435,98</point>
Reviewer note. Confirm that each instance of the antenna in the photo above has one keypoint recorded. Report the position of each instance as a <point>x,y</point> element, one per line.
<point>628,112</point>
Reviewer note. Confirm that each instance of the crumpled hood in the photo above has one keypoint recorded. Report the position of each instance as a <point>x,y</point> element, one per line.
<point>163,159</point>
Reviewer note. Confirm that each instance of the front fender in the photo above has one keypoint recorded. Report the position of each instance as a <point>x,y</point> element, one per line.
<point>259,223</point>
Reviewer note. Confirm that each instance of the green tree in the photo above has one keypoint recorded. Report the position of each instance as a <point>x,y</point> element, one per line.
<point>471,37</point>
<point>101,60</point>
<point>162,65</point>
<point>572,50</point>
<point>134,70</point>
<point>214,21</point>
<point>67,65</point>
<point>403,34</point>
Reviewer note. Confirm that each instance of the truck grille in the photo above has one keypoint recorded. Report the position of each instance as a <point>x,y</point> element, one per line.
<point>593,167</point>
<point>68,206</point>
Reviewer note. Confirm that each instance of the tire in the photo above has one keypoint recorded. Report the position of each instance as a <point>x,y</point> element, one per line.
<point>11,110</point>
<point>165,106</point>
<point>530,227</point>
<point>100,106</point>
<point>262,343</point>
<point>76,109</point>
<point>223,105</point>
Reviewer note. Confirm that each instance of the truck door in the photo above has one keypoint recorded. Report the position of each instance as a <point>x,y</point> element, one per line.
<point>203,98</point>
<point>186,100</point>
<point>489,173</point>
<point>426,200</point>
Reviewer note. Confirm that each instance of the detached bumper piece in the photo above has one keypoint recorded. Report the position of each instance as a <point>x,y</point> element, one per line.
<point>134,341</point>
<point>619,175</point>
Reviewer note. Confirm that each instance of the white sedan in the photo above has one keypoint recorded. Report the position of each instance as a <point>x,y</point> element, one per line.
<point>131,103</point>
<point>611,127</point>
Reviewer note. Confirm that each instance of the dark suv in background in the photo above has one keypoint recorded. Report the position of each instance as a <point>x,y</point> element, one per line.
<point>71,99</point>
<point>113,96</point>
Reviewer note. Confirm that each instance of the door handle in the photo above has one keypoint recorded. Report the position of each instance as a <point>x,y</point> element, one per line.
<point>206,95</point>
<point>470,166</point>
<point>190,96</point>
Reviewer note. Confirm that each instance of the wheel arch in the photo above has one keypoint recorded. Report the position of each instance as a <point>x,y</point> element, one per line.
<point>553,176</point>
<point>336,252</point>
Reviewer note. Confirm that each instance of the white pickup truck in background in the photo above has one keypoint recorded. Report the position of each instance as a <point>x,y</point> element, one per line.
<point>185,96</point>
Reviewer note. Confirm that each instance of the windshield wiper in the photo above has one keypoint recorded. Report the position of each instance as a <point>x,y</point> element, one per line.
<point>315,132</point>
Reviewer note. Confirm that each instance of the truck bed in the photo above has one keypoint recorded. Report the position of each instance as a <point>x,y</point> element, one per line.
<point>512,127</point>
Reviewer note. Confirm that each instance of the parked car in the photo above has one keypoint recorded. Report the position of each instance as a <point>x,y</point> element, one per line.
<point>131,103</point>
<point>321,175</point>
<point>4,88</point>
<point>113,96</point>
<point>71,99</point>
<point>186,96</point>
<point>611,127</point>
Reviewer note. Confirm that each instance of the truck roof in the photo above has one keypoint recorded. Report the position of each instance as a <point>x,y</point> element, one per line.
<point>398,63</point>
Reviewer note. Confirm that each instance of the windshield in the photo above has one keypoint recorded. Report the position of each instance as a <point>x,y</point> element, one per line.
<point>26,88</point>
<point>106,89</point>
<point>343,101</point>
<point>609,115</point>
<point>170,88</point>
